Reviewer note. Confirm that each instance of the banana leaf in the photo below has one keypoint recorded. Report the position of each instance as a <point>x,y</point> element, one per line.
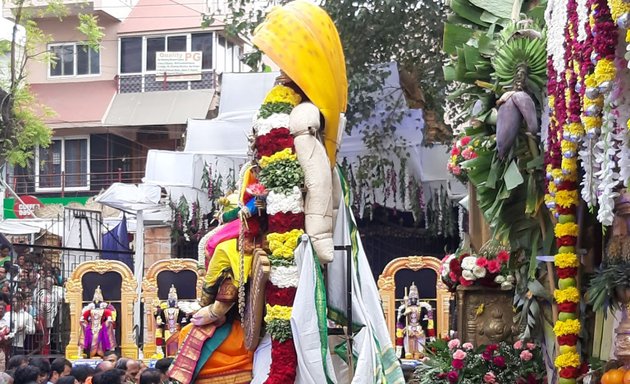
<point>455,36</point>
<point>466,10</point>
<point>531,205</point>
<point>471,57</point>
<point>499,8</point>
<point>486,45</point>
<point>513,177</point>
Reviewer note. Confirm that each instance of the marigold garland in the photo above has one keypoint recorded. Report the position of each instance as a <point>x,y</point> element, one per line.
<point>285,154</point>
<point>278,312</point>
<point>566,199</point>
<point>283,94</point>
<point>570,294</point>
<point>567,327</point>
<point>566,229</point>
<point>283,244</point>
<point>566,260</point>
<point>570,359</point>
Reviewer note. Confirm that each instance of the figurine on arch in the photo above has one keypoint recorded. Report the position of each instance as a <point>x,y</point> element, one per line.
<point>170,317</point>
<point>98,323</point>
<point>415,324</point>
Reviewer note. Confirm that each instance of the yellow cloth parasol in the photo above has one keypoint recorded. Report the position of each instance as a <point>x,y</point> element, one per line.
<point>303,41</point>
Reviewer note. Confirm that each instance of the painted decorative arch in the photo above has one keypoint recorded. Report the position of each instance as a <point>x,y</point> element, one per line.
<point>387,291</point>
<point>128,296</point>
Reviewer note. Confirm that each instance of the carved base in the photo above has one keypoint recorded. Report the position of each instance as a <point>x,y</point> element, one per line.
<point>622,340</point>
<point>72,352</point>
<point>485,315</point>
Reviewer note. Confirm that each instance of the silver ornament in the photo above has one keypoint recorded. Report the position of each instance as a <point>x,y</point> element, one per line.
<point>592,93</point>
<point>569,154</point>
<point>605,87</point>
<point>592,110</point>
<point>594,57</point>
<point>578,87</point>
<point>623,21</point>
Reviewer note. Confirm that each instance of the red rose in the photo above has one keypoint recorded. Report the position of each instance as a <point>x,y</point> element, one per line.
<point>494,266</point>
<point>503,256</point>
<point>458,364</point>
<point>284,222</point>
<point>276,140</point>
<point>283,363</point>
<point>568,340</point>
<point>499,361</point>
<point>465,140</point>
<point>584,368</point>
<point>279,296</point>
<point>464,282</point>
<point>563,273</point>
<point>481,262</point>
<point>569,372</point>
<point>492,348</point>
<point>567,307</point>
<point>566,241</point>
<point>452,376</point>
<point>455,267</point>
<point>455,151</point>
<point>486,355</point>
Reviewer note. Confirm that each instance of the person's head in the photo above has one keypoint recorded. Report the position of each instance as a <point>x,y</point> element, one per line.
<point>17,361</point>
<point>5,250</point>
<point>81,373</point>
<point>104,366</point>
<point>20,260</point>
<point>133,367</point>
<point>151,376</point>
<point>67,380</point>
<point>26,374</point>
<point>163,365</point>
<point>111,356</point>
<point>122,363</point>
<point>44,368</point>
<point>4,301</point>
<point>59,368</point>
<point>113,376</point>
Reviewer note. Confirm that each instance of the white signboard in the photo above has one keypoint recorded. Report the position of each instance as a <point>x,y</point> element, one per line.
<point>178,66</point>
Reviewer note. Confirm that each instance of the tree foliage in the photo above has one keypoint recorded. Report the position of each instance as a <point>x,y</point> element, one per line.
<point>21,125</point>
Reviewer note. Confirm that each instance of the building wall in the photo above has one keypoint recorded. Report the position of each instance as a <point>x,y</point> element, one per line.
<point>66,31</point>
<point>157,245</point>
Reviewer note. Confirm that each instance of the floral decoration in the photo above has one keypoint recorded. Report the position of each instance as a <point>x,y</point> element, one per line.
<point>283,179</point>
<point>490,270</point>
<point>453,362</point>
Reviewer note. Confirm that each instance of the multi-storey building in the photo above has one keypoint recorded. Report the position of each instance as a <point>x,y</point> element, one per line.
<point>114,104</point>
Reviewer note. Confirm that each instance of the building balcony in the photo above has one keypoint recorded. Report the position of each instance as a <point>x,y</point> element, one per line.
<point>117,9</point>
<point>152,82</point>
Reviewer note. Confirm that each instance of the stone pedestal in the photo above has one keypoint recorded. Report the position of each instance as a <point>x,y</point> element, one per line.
<point>485,315</point>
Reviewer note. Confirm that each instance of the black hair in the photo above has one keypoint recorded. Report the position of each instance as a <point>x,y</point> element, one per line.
<point>26,374</point>
<point>99,366</point>
<point>122,363</point>
<point>59,365</point>
<point>96,379</point>
<point>42,364</point>
<point>113,376</point>
<point>151,376</point>
<point>4,246</point>
<point>66,380</point>
<point>164,364</point>
<point>82,372</point>
<point>16,361</point>
<point>112,352</point>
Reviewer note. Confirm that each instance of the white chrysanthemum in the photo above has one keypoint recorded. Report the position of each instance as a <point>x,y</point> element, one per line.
<point>607,177</point>
<point>445,267</point>
<point>284,277</point>
<point>468,275</point>
<point>469,262</point>
<point>556,18</point>
<point>507,285</point>
<point>499,279</point>
<point>479,272</point>
<point>277,120</point>
<point>286,203</point>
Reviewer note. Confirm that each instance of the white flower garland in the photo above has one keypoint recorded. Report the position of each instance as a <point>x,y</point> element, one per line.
<point>589,188</point>
<point>582,12</point>
<point>284,277</point>
<point>624,159</point>
<point>264,126</point>
<point>556,19</point>
<point>607,178</point>
<point>285,203</point>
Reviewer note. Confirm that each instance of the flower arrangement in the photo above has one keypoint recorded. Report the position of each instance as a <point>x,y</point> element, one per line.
<point>450,362</point>
<point>460,152</point>
<point>281,180</point>
<point>488,269</point>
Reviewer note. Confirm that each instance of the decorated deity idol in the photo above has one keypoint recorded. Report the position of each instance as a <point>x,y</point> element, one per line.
<point>290,195</point>
<point>169,319</point>
<point>98,322</point>
<point>410,331</point>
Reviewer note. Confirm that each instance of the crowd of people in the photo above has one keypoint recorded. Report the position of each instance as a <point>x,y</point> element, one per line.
<point>111,370</point>
<point>31,293</point>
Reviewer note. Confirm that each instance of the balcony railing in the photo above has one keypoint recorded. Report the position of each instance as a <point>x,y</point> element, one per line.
<point>151,82</point>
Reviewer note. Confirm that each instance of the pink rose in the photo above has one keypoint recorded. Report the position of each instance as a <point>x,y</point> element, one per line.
<point>455,343</point>
<point>494,266</point>
<point>482,262</point>
<point>455,151</point>
<point>466,153</point>
<point>526,355</point>
<point>457,170</point>
<point>468,346</point>
<point>459,355</point>
<point>531,346</point>
<point>465,140</point>
<point>518,344</point>
<point>489,378</point>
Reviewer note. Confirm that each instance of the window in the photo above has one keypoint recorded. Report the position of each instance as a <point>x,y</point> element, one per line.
<point>65,163</point>
<point>74,59</point>
<point>134,49</point>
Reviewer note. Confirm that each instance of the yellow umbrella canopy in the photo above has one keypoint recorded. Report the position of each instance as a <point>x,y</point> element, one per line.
<point>302,40</point>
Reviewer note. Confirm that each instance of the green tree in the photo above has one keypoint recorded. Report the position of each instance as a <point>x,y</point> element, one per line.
<point>22,127</point>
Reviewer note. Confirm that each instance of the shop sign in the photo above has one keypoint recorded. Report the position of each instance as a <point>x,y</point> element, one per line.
<point>178,66</point>
<point>23,209</point>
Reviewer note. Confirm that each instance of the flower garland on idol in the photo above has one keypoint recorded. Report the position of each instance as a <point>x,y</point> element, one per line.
<point>281,179</point>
